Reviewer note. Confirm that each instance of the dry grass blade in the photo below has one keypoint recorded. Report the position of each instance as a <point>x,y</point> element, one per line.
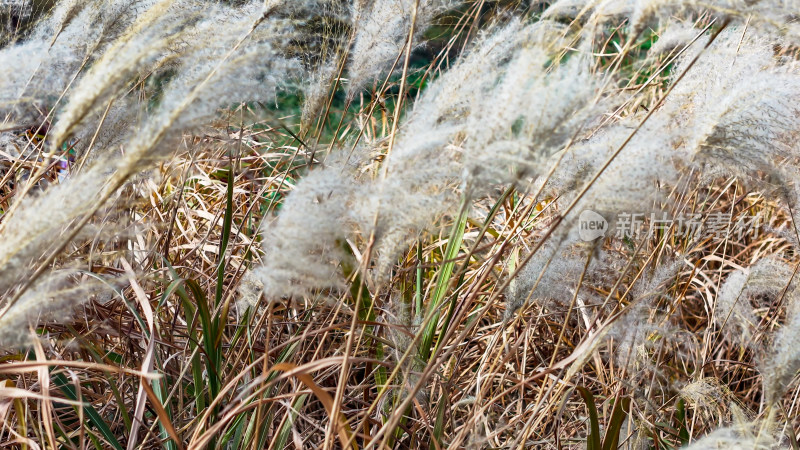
<point>147,362</point>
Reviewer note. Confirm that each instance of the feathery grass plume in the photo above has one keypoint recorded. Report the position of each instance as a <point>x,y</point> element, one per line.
<point>631,174</point>
<point>250,290</point>
<point>591,14</point>
<point>51,297</point>
<point>739,437</point>
<point>550,277</point>
<point>213,52</point>
<point>775,17</point>
<point>632,329</point>
<point>734,303</point>
<point>146,42</point>
<point>608,12</point>
<point>191,44</point>
<point>405,204</point>
<point>322,45</point>
<point>627,190</point>
<point>734,135</point>
<point>545,104</point>
<point>381,31</point>
<point>72,35</point>
<point>107,130</point>
<point>425,166</point>
<point>240,59</point>
<point>15,15</point>
<point>237,62</point>
<point>630,183</point>
<point>26,236</point>
<point>738,113</point>
<point>203,83</point>
<point>711,400</point>
<point>674,35</point>
<point>569,10</point>
<point>435,144</point>
<point>731,309</point>
<point>316,93</point>
<point>782,362</point>
<point>303,257</point>
<point>454,139</point>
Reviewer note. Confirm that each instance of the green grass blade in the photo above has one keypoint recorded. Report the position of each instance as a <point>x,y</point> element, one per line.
<point>225,238</point>
<point>618,414</point>
<point>286,429</point>
<point>94,418</point>
<point>683,430</point>
<point>438,426</point>
<point>443,281</point>
<point>593,440</point>
<point>208,331</point>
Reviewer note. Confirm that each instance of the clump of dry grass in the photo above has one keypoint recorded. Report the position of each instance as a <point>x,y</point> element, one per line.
<point>358,224</point>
